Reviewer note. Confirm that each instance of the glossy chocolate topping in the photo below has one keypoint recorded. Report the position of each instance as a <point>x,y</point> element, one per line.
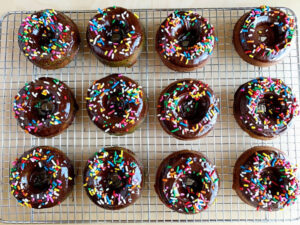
<point>187,182</point>
<point>185,39</point>
<point>265,107</point>
<point>45,107</point>
<point>113,178</point>
<point>114,34</point>
<point>42,177</point>
<point>187,109</point>
<point>265,179</point>
<point>265,34</point>
<point>49,39</point>
<point>116,104</point>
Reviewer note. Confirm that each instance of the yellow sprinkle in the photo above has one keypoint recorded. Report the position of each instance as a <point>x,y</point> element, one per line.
<point>136,15</point>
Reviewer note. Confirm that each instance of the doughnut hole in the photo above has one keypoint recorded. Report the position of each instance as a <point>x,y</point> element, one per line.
<point>39,181</point>
<point>270,107</point>
<point>46,36</point>
<point>193,110</point>
<point>271,177</point>
<point>114,103</point>
<point>118,32</point>
<point>188,37</point>
<point>114,181</point>
<point>45,107</point>
<point>267,34</point>
<point>191,184</point>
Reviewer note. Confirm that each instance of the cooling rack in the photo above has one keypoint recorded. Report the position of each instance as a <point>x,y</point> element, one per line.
<point>224,73</point>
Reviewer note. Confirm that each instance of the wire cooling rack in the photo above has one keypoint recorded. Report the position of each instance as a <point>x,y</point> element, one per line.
<point>224,72</point>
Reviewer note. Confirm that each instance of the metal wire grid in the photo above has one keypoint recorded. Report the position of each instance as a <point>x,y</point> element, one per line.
<point>224,73</point>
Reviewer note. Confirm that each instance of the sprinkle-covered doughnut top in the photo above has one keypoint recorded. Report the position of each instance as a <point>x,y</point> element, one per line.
<point>185,39</point>
<point>187,109</point>
<point>116,104</point>
<point>265,107</point>
<point>187,182</point>
<point>114,34</point>
<point>266,179</point>
<point>48,37</point>
<point>113,178</point>
<point>41,178</point>
<point>45,107</point>
<point>266,33</point>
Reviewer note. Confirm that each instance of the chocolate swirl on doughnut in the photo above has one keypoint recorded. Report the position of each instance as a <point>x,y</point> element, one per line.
<point>187,182</point>
<point>265,107</point>
<point>185,40</point>
<point>45,107</point>
<point>42,177</point>
<point>263,36</point>
<point>265,179</point>
<point>115,36</point>
<point>49,39</point>
<point>116,104</point>
<point>113,178</point>
<point>187,109</point>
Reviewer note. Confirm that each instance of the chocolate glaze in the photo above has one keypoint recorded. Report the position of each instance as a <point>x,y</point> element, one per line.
<point>45,107</point>
<point>45,59</point>
<point>42,177</point>
<point>184,41</point>
<point>272,165</point>
<point>116,104</point>
<point>263,39</point>
<point>197,187</point>
<point>198,109</point>
<point>113,178</point>
<point>115,36</point>
<point>283,108</point>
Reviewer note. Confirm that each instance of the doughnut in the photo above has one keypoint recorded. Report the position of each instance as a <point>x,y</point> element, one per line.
<point>42,177</point>
<point>116,104</point>
<point>185,41</point>
<point>49,39</point>
<point>265,107</point>
<point>187,109</point>
<point>264,178</point>
<point>115,36</point>
<point>187,182</point>
<point>113,178</point>
<point>45,107</point>
<point>263,36</point>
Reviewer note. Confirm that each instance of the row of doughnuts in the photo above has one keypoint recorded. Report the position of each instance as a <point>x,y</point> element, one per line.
<point>184,41</point>
<point>186,181</point>
<point>187,109</point>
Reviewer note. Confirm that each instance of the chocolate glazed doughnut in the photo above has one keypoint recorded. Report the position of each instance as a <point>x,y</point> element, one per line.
<point>187,109</point>
<point>185,41</point>
<point>264,178</point>
<point>115,36</point>
<point>116,104</point>
<point>45,107</point>
<point>113,178</point>
<point>265,107</point>
<point>42,177</point>
<point>187,182</point>
<point>49,39</point>
<point>263,36</point>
